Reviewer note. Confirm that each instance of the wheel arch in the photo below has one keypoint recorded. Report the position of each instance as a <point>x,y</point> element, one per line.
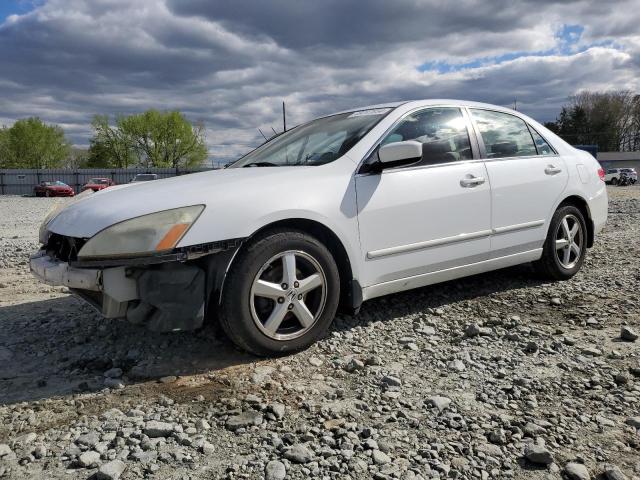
<point>581,204</point>
<point>350,289</point>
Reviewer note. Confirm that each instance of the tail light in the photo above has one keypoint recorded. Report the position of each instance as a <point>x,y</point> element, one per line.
<point>601,173</point>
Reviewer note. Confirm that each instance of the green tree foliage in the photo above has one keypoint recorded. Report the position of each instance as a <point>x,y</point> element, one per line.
<point>30,143</point>
<point>110,146</point>
<point>152,138</point>
<point>610,120</point>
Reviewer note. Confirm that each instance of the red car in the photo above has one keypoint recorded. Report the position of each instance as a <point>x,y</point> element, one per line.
<point>96,184</point>
<point>53,189</point>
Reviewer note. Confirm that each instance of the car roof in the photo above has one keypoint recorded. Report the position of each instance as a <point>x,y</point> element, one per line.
<point>429,101</point>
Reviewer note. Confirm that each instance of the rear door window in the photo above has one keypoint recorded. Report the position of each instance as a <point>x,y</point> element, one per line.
<point>504,135</point>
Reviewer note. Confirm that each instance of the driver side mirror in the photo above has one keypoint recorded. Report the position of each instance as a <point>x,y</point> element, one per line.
<point>400,153</point>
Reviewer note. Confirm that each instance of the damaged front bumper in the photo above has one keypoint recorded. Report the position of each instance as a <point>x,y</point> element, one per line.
<point>164,297</point>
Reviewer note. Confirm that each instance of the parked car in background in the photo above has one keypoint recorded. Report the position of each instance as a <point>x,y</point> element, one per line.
<point>96,184</point>
<point>53,189</point>
<point>612,175</point>
<point>631,173</point>
<point>329,214</point>
<point>144,177</point>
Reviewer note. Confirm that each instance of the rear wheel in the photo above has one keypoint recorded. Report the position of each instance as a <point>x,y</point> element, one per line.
<point>614,181</point>
<point>565,248</point>
<point>281,293</point>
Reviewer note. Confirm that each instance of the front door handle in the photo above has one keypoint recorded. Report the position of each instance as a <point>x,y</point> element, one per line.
<point>470,181</point>
<point>552,170</point>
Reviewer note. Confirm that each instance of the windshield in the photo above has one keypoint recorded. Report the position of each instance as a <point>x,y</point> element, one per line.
<point>98,181</point>
<point>315,143</point>
<point>60,184</point>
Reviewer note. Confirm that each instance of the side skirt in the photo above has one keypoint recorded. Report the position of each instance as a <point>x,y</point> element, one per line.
<point>449,274</point>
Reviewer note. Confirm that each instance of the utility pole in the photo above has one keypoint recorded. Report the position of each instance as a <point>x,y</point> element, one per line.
<point>284,117</point>
<point>515,103</point>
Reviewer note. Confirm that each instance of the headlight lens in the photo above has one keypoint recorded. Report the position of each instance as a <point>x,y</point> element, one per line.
<point>154,233</point>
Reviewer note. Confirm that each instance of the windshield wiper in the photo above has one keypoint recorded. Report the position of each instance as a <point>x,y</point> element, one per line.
<point>260,164</point>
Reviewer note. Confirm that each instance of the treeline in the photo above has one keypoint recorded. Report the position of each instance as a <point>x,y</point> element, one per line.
<point>610,120</point>
<point>150,139</point>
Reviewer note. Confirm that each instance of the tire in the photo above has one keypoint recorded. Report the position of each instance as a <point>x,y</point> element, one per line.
<point>255,292</point>
<point>47,193</point>
<point>614,181</point>
<point>554,264</point>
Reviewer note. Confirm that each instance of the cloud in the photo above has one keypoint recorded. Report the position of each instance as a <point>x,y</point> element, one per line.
<point>230,64</point>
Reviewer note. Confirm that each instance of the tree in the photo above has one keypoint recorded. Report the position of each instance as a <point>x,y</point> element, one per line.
<point>165,139</point>
<point>110,146</point>
<point>30,143</point>
<point>610,120</point>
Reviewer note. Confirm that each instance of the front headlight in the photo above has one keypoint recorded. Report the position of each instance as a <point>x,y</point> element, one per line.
<point>154,233</point>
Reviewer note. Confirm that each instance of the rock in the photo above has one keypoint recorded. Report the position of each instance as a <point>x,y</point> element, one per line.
<point>391,381</point>
<point>89,439</point>
<point>202,424</point>
<point>114,383</point>
<point>39,452</point>
<point>538,454</point>
<point>113,373</point>
<point>532,430</point>
<point>472,330</point>
<point>531,347</point>
<point>278,409</point>
<point>207,448</point>
<point>380,458</point>
<point>298,453</point>
<point>155,429</point>
<point>5,451</point>
<point>576,471</point>
<point>275,470</point>
<point>456,365</point>
<point>111,470</point>
<point>373,360</point>
<point>634,422</point>
<point>591,351</point>
<point>628,334</point>
<point>353,365</point>
<point>612,472</point>
<point>26,439</point>
<point>440,403</point>
<point>315,361</point>
<point>244,420</point>
<point>89,459</point>
<point>498,437</point>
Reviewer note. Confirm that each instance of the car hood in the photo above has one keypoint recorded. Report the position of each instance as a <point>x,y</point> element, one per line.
<point>108,206</point>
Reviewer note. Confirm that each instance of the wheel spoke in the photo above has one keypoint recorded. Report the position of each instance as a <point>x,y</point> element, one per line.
<point>575,248</point>
<point>561,243</point>
<point>574,230</point>
<point>309,283</point>
<point>275,319</point>
<point>566,256</point>
<point>565,229</point>
<point>262,288</point>
<point>289,269</point>
<point>303,314</point>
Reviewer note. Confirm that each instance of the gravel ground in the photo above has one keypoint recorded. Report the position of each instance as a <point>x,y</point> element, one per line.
<point>493,376</point>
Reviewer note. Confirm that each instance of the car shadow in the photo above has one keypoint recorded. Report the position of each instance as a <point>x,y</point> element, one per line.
<point>61,346</point>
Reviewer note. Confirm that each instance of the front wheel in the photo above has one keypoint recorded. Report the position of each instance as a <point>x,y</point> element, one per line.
<point>565,247</point>
<point>614,181</point>
<point>281,293</point>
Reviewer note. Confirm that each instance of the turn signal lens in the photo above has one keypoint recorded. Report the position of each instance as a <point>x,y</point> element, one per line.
<point>601,173</point>
<point>172,236</point>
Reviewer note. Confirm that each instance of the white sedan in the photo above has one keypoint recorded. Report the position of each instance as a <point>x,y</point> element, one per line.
<point>331,213</point>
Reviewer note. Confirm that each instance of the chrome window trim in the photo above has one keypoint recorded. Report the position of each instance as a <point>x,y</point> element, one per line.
<point>473,142</point>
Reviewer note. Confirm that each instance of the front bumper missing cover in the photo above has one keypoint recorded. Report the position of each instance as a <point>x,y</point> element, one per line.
<point>109,290</point>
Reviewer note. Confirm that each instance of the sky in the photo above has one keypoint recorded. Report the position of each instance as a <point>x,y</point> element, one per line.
<point>230,64</point>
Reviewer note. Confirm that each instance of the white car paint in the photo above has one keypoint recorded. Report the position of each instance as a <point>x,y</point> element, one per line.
<point>401,228</point>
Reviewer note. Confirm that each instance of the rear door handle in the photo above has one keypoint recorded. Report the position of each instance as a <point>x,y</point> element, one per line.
<point>470,181</point>
<point>552,170</point>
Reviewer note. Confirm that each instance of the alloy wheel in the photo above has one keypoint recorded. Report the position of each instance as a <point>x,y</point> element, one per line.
<point>288,295</point>
<point>569,241</point>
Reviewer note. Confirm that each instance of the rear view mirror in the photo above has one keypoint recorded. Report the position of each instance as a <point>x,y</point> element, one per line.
<point>400,153</point>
